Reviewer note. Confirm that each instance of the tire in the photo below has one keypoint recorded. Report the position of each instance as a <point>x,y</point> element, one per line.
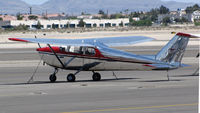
<point>52,78</point>
<point>71,77</point>
<point>96,77</point>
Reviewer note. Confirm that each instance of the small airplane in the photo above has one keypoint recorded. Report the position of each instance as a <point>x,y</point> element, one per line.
<point>96,54</point>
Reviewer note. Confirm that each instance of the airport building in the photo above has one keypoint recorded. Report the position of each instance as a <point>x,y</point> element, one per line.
<point>73,23</point>
<point>195,15</point>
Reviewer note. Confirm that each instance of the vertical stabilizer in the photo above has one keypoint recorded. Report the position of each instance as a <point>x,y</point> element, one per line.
<point>174,50</point>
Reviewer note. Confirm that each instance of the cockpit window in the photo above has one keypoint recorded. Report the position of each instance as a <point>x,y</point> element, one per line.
<point>79,50</point>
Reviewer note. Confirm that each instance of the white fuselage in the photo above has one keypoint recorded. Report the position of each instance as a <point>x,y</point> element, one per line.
<point>99,65</point>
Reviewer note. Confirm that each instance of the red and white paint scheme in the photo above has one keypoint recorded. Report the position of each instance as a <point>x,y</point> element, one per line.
<point>97,55</point>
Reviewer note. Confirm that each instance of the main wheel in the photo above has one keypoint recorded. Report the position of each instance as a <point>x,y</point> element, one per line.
<point>96,77</point>
<point>71,77</point>
<point>52,77</point>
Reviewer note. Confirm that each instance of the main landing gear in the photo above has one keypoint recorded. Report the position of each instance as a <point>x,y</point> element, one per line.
<point>96,76</point>
<point>71,77</point>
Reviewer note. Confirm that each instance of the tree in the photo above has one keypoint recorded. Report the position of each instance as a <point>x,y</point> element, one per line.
<point>183,19</point>
<point>68,25</point>
<point>153,14</point>
<point>81,23</point>
<point>19,16</point>
<point>21,27</point>
<point>101,12</point>
<point>136,14</point>
<point>115,16</point>
<point>54,26</point>
<point>72,17</point>
<point>32,17</point>
<point>163,10</point>
<point>166,21</point>
<point>131,19</point>
<point>126,11</point>
<point>193,8</point>
<point>82,13</point>
<point>1,19</point>
<point>121,24</point>
<point>38,26</point>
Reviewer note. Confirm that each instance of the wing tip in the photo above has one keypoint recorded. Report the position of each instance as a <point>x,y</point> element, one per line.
<point>17,39</point>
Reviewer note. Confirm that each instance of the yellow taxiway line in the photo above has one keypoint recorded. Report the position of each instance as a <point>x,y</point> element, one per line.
<point>132,108</point>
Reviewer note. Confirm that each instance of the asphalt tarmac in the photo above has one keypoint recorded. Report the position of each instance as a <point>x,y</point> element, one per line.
<point>130,92</point>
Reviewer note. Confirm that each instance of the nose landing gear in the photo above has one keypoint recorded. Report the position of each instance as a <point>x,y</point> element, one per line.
<point>53,77</point>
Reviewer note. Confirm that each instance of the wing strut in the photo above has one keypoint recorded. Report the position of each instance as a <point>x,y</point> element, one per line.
<point>56,56</point>
<point>38,43</point>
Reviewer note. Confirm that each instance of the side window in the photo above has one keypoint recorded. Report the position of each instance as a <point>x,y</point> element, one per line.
<point>79,50</point>
<point>71,49</point>
<point>68,48</point>
<point>90,51</point>
<point>62,49</point>
<point>74,49</point>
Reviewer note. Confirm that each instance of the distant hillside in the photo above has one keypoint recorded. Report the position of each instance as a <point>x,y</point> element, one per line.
<point>13,6</point>
<point>88,6</point>
<point>93,6</point>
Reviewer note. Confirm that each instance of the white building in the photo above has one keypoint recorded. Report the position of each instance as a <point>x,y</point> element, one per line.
<point>48,24</point>
<point>195,15</point>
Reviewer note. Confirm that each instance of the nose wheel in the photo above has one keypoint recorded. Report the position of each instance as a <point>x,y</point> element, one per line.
<point>53,77</point>
<point>96,77</point>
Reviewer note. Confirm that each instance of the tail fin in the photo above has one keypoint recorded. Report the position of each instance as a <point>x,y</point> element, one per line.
<point>174,50</point>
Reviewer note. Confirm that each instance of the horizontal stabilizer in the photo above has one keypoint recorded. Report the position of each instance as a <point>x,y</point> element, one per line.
<point>159,66</point>
<point>185,65</point>
<point>166,66</point>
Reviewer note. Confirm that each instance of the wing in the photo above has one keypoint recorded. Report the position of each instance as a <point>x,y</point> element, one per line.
<point>109,41</point>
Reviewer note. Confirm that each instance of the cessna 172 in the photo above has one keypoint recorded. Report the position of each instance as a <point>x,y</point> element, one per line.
<point>96,55</point>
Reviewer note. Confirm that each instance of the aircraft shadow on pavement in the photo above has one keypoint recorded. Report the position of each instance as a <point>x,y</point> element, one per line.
<point>193,75</point>
<point>161,80</point>
<point>57,82</point>
<point>171,79</point>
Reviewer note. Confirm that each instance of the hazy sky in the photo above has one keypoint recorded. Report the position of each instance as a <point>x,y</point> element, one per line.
<point>195,1</point>
<point>42,1</point>
<point>35,1</point>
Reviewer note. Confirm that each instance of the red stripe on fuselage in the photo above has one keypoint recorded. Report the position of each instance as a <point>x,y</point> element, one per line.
<point>97,55</point>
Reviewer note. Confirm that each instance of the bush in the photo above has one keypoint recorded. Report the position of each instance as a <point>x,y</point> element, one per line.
<point>20,27</point>
<point>197,22</point>
<point>166,21</point>
<point>32,17</point>
<point>141,23</point>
